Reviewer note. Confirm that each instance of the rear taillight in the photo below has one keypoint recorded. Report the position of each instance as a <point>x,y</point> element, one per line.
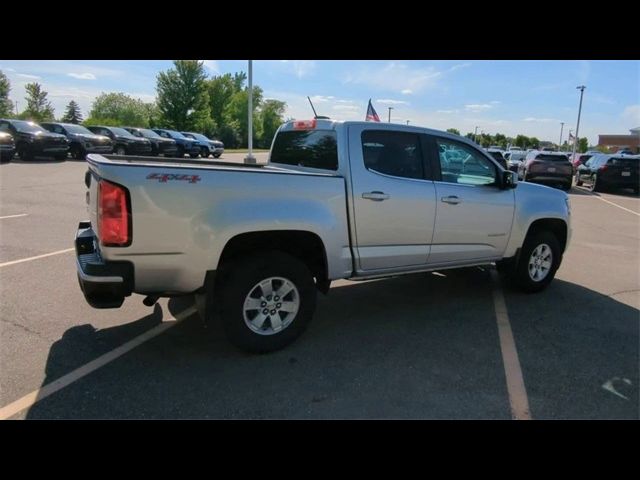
<point>602,168</point>
<point>113,215</point>
<point>533,164</point>
<point>304,124</point>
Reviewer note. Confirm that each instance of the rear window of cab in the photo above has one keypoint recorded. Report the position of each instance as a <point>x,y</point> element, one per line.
<point>306,148</point>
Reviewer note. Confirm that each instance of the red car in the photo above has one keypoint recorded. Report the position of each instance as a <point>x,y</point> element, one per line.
<point>580,159</point>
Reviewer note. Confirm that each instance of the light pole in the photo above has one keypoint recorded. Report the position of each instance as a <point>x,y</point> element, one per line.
<point>575,142</point>
<point>561,128</point>
<point>475,135</point>
<point>390,108</point>
<point>250,158</point>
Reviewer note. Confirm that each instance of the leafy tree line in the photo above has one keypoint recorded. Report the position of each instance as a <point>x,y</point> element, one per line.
<point>186,100</point>
<point>486,140</point>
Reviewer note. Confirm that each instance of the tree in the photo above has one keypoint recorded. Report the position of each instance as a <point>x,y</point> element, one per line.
<point>183,100</point>
<point>454,131</point>
<point>470,136</point>
<point>500,139</point>
<point>583,144</point>
<point>118,109</point>
<point>6,106</point>
<point>534,142</point>
<point>221,89</point>
<point>271,116</point>
<point>237,110</point>
<point>73,113</point>
<point>39,108</point>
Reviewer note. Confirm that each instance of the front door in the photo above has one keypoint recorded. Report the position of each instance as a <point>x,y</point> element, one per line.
<point>474,215</point>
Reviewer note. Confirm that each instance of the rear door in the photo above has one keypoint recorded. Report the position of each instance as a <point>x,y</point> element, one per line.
<point>474,215</point>
<point>393,198</point>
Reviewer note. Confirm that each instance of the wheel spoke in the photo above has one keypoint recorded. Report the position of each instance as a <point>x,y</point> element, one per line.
<point>284,290</point>
<point>252,304</point>
<point>267,287</point>
<point>276,322</point>
<point>259,320</point>
<point>546,264</point>
<point>289,307</point>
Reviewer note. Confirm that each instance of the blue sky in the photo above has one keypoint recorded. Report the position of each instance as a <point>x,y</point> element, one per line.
<point>510,97</point>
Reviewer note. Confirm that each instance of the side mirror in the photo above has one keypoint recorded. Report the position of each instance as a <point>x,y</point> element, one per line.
<point>509,179</point>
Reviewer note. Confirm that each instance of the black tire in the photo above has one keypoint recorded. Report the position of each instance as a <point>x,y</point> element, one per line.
<point>520,274</point>
<point>216,155</point>
<point>578,181</point>
<point>636,190</point>
<point>120,150</point>
<point>595,186</point>
<point>180,152</point>
<point>204,152</point>
<point>5,157</point>
<point>566,186</point>
<point>24,152</point>
<point>194,155</point>
<point>78,152</point>
<point>60,156</point>
<point>240,279</point>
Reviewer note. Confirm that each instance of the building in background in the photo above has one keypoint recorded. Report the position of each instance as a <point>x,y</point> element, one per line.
<point>613,143</point>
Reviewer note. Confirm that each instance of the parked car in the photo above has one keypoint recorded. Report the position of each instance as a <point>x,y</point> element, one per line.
<point>603,171</point>
<point>362,200</point>
<point>81,140</point>
<point>32,140</point>
<point>514,158</point>
<point>159,145</point>
<point>7,146</point>
<point>548,168</point>
<point>580,159</point>
<point>207,146</point>
<point>625,151</point>
<point>184,144</point>
<point>124,142</point>
<point>498,155</point>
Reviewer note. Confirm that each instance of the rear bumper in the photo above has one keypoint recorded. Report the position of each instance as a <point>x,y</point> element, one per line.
<point>99,149</point>
<point>104,284</point>
<point>546,177</point>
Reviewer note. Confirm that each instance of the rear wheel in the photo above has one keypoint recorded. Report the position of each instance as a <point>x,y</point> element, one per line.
<point>120,150</point>
<point>595,186</point>
<point>266,301</point>
<point>78,152</point>
<point>60,156</point>
<point>578,181</point>
<point>539,260</point>
<point>566,186</point>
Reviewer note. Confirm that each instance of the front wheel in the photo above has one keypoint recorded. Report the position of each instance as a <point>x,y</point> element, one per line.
<point>204,153</point>
<point>24,152</point>
<point>216,155</point>
<point>120,150</point>
<point>266,301</point>
<point>539,260</point>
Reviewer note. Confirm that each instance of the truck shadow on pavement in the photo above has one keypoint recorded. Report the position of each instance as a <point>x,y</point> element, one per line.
<point>418,346</point>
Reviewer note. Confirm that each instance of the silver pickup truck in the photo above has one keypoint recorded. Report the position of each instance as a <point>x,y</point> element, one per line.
<point>337,200</point>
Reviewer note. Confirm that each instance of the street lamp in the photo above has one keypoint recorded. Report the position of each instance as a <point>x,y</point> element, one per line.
<point>250,158</point>
<point>407,122</point>
<point>575,142</point>
<point>475,135</point>
<point>390,108</point>
<point>561,128</point>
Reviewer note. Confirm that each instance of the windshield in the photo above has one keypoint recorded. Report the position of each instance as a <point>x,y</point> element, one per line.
<point>78,129</point>
<point>199,136</point>
<point>27,127</point>
<point>121,132</point>
<point>517,156</point>
<point>148,133</point>
<point>174,134</point>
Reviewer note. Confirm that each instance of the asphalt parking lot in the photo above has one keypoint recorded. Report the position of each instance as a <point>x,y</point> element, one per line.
<point>424,346</point>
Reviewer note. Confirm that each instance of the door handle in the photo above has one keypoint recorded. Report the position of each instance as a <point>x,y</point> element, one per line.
<point>451,199</point>
<point>376,196</point>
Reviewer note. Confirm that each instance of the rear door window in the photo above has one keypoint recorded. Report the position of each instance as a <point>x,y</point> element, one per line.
<point>306,148</point>
<point>392,153</point>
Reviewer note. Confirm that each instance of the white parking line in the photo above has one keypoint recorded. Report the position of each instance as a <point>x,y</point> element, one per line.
<point>13,262</point>
<point>14,216</point>
<point>611,203</point>
<point>515,382</point>
<point>34,397</point>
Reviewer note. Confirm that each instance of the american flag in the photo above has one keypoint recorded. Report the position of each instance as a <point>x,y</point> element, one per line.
<point>372,116</point>
<point>571,139</point>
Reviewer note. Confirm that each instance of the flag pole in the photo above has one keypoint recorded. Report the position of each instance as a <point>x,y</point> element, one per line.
<point>250,158</point>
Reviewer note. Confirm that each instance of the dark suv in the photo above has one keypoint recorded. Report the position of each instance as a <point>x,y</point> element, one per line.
<point>32,140</point>
<point>207,146</point>
<point>185,145</point>
<point>610,171</point>
<point>124,143</point>
<point>81,140</point>
<point>7,147</point>
<point>159,145</point>
<point>548,168</point>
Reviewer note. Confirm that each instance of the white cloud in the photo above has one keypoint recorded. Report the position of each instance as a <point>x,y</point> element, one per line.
<point>478,107</point>
<point>321,98</point>
<point>632,114</point>
<point>448,112</point>
<point>82,76</point>
<point>300,68</point>
<point>211,65</point>
<point>391,102</point>
<point>29,77</point>
<point>495,102</point>
<point>396,77</point>
<point>459,66</point>
<point>540,120</point>
<point>345,107</point>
